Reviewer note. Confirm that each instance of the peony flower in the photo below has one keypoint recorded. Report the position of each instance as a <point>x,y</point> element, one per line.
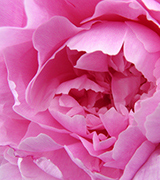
<point>79,89</point>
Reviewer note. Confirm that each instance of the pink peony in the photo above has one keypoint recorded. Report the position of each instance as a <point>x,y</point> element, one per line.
<point>79,89</point>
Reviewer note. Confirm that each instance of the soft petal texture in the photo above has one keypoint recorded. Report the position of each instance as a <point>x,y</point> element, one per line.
<point>96,61</point>
<point>74,10</point>
<point>147,107</point>
<point>51,35</point>
<point>114,122</point>
<point>9,171</point>
<point>107,37</point>
<point>135,52</point>
<point>150,170</point>
<point>124,148</point>
<point>137,160</point>
<point>39,97</point>
<point>12,13</point>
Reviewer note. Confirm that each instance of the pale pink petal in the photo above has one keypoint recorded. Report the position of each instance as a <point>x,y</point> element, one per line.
<point>47,166</point>
<point>152,5</point>
<point>135,53</point>
<point>114,122</point>
<point>8,126</point>
<point>80,157</point>
<point>152,126</point>
<point>107,37</point>
<point>29,170</point>
<point>124,88</point>
<point>40,143</point>
<point>124,148</point>
<point>51,35</point>
<point>67,167</point>
<point>9,171</point>
<point>78,83</point>
<point>99,144</point>
<point>75,124</point>
<point>146,36</point>
<point>96,61</point>
<point>13,36</point>
<point>147,107</point>
<point>12,13</point>
<point>51,74</point>
<point>60,138</point>
<point>138,159</point>
<point>151,169</point>
<point>9,155</point>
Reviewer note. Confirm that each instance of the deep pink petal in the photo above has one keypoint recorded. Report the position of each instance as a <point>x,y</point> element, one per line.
<point>107,37</point>
<point>127,9</point>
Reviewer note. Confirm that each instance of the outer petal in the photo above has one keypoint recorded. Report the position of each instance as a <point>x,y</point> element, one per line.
<point>55,71</point>
<point>51,35</point>
<point>107,37</point>
<point>9,171</point>
<point>135,53</point>
<point>12,13</point>
<point>138,159</point>
<point>39,11</point>
<point>151,169</point>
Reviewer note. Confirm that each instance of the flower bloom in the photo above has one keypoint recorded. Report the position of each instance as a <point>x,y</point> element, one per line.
<point>79,89</point>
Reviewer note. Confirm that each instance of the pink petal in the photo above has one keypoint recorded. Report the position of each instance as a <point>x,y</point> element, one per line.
<point>75,124</point>
<point>79,83</point>
<point>114,122</point>
<point>96,61</point>
<point>152,126</point>
<point>135,53</point>
<point>146,36</point>
<point>12,13</point>
<point>124,148</point>
<point>39,11</point>
<point>58,138</point>
<point>127,9</point>
<point>8,126</point>
<point>51,35</point>
<point>15,35</point>
<point>47,166</point>
<point>40,143</point>
<point>138,159</point>
<point>150,170</point>
<point>124,88</point>
<point>9,171</point>
<point>107,37</point>
<point>50,75</point>
<point>147,107</point>
<point>29,170</point>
